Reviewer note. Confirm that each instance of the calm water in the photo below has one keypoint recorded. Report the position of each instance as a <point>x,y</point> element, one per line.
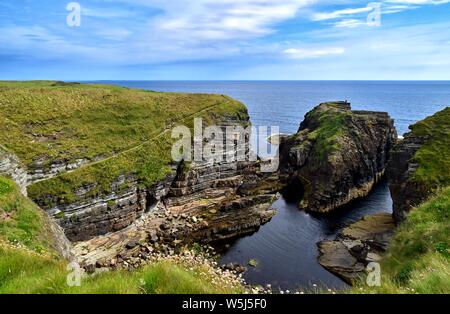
<point>284,103</point>
<point>286,247</point>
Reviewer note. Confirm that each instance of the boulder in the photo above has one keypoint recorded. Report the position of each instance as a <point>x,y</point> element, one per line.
<point>356,246</point>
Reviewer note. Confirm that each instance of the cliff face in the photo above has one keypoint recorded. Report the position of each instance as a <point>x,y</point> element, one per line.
<point>11,166</point>
<point>225,195</point>
<point>336,156</point>
<point>420,163</point>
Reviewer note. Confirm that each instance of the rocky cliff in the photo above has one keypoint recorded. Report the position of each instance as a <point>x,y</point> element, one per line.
<point>420,163</point>
<point>10,166</point>
<point>107,195</point>
<point>336,156</point>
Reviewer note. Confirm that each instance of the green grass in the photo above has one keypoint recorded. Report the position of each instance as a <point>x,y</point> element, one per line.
<point>29,265</point>
<point>434,156</point>
<point>40,121</point>
<point>418,259</point>
<point>330,124</point>
<point>23,272</point>
<point>127,129</point>
<point>21,221</point>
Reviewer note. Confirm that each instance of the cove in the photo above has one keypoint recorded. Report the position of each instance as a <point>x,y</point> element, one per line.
<point>286,247</point>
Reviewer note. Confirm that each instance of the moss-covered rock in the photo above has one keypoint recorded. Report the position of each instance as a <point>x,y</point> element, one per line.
<point>336,156</point>
<point>420,163</point>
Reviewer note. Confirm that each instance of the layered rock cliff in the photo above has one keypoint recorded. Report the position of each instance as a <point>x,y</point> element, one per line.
<point>336,156</point>
<point>224,194</point>
<point>420,163</point>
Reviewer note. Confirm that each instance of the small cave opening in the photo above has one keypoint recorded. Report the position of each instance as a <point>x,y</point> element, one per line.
<point>294,191</point>
<point>151,202</point>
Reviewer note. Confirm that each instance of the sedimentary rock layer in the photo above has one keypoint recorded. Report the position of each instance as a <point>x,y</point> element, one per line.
<point>420,163</point>
<point>336,156</point>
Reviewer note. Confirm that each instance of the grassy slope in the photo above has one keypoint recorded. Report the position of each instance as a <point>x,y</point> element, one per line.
<point>28,265</point>
<point>21,221</point>
<point>68,122</point>
<point>418,259</point>
<point>434,156</point>
<point>124,127</point>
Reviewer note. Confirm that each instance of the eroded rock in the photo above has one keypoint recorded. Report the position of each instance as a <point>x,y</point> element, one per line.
<point>336,156</point>
<point>356,246</point>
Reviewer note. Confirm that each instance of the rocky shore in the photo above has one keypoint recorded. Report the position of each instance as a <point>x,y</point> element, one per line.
<point>356,246</point>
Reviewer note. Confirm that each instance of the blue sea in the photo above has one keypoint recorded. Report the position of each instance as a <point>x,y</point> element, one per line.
<point>286,247</point>
<point>284,103</point>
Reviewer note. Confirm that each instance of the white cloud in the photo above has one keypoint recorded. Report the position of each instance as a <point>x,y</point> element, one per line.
<point>225,19</point>
<point>350,23</point>
<point>387,7</point>
<point>419,1</point>
<point>303,53</point>
<point>339,13</point>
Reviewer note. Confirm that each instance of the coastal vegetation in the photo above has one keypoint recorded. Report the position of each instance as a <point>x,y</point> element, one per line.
<point>28,264</point>
<point>102,133</point>
<point>433,157</point>
<point>112,131</point>
<point>418,259</point>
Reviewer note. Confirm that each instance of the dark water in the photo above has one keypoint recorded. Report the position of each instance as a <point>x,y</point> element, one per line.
<point>286,247</point>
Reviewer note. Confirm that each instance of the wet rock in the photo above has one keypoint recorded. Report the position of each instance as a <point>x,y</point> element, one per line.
<point>336,258</point>
<point>234,267</point>
<point>356,246</point>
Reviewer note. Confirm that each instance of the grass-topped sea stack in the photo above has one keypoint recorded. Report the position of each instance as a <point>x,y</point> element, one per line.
<point>336,156</point>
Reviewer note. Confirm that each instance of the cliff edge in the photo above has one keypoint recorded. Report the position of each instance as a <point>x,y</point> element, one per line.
<point>420,163</point>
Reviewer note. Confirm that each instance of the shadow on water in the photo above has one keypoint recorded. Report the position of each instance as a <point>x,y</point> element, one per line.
<point>286,247</point>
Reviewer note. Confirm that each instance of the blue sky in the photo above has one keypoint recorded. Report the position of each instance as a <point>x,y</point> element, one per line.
<point>226,40</point>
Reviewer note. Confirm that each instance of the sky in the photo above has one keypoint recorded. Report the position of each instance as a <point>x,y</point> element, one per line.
<point>225,40</point>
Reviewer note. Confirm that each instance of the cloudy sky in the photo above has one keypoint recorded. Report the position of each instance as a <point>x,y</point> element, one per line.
<point>225,40</point>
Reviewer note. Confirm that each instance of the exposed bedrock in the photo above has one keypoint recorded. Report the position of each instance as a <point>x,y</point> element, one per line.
<point>420,163</point>
<point>233,197</point>
<point>11,166</point>
<point>356,246</point>
<point>405,193</point>
<point>336,156</point>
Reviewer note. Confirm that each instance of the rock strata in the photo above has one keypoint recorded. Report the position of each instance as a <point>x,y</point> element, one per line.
<point>419,163</point>
<point>336,156</point>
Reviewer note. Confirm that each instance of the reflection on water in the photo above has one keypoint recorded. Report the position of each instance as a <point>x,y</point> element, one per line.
<point>286,247</point>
